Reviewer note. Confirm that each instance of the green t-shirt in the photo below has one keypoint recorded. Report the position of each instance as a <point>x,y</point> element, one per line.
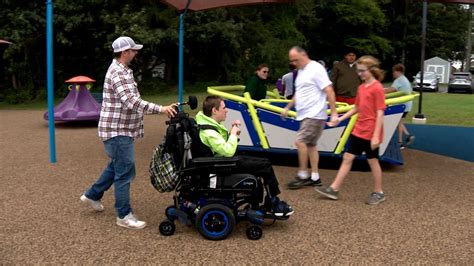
<point>256,87</point>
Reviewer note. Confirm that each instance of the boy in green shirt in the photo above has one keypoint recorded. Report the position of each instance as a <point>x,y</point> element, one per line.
<point>224,144</point>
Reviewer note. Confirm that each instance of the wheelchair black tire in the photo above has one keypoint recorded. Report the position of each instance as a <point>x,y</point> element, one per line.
<point>215,221</point>
<point>167,228</point>
<point>254,232</point>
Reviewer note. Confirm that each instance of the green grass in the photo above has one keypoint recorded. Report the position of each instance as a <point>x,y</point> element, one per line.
<point>439,108</point>
<point>446,109</point>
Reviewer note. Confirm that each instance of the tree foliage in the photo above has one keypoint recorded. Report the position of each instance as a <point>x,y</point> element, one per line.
<point>221,46</point>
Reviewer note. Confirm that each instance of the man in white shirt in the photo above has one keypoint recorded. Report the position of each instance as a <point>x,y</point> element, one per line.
<point>312,89</point>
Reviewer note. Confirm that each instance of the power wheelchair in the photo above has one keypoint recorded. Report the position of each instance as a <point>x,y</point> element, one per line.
<point>208,195</point>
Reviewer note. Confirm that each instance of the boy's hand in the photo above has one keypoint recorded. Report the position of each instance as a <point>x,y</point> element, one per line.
<point>334,122</point>
<point>236,123</point>
<point>170,110</point>
<point>235,130</point>
<point>374,143</point>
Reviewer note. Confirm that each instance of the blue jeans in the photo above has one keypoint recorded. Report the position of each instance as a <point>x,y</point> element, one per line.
<point>120,171</point>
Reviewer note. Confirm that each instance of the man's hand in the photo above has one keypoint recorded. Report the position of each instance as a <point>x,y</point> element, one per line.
<point>375,142</point>
<point>284,114</point>
<point>235,130</point>
<point>170,110</point>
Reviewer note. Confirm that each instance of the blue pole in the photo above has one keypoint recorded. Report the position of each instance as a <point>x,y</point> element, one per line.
<point>180,67</point>
<point>49,78</point>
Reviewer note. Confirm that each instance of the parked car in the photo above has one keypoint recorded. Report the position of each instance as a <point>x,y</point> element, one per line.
<point>430,81</point>
<point>461,82</point>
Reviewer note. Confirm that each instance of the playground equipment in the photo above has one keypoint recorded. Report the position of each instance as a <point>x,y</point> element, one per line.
<point>79,105</point>
<point>263,130</point>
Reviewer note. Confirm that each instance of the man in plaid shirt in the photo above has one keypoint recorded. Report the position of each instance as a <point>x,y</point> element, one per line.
<point>120,123</point>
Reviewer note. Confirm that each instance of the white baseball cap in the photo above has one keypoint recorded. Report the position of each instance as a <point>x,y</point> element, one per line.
<point>124,43</point>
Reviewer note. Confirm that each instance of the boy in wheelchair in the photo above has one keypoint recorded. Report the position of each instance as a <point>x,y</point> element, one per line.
<point>224,144</point>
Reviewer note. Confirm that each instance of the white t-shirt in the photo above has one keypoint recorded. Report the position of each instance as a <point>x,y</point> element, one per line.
<point>310,97</point>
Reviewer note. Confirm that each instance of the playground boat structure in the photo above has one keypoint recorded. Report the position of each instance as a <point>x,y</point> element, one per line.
<point>264,130</point>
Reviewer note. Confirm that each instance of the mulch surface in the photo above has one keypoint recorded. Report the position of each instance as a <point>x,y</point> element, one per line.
<point>428,216</point>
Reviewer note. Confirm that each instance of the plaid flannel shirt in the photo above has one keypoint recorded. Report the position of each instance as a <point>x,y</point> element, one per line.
<point>122,108</point>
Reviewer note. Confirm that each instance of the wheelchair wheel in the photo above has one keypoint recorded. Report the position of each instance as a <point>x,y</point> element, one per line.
<point>167,228</point>
<point>215,221</point>
<point>254,232</point>
<point>168,212</point>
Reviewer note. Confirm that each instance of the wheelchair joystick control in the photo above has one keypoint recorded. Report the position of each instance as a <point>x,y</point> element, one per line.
<point>192,102</point>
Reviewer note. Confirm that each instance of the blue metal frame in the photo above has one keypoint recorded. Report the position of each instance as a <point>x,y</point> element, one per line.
<point>50,79</point>
<point>391,155</point>
<point>247,119</point>
<point>181,55</point>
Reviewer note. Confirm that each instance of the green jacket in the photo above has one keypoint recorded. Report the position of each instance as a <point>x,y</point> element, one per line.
<point>256,87</point>
<point>218,141</point>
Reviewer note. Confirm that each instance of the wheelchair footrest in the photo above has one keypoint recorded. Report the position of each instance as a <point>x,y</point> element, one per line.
<point>174,213</point>
<point>253,216</point>
<point>274,217</point>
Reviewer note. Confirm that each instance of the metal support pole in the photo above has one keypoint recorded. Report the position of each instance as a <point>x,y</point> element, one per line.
<point>467,66</point>
<point>181,55</point>
<point>420,115</point>
<point>50,79</point>
<point>180,70</point>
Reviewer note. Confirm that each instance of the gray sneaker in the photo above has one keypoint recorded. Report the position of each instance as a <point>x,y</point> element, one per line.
<point>327,192</point>
<point>95,204</point>
<point>409,140</point>
<point>299,183</point>
<point>375,198</point>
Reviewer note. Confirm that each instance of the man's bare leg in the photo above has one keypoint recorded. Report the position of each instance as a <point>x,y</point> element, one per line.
<point>314,161</point>
<point>302,156</point>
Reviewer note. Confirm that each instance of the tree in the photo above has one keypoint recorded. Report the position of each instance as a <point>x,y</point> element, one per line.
<point>221,46</point>
<point>357,23</point>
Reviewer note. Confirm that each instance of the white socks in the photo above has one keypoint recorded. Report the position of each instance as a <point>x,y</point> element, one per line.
<point>315,176</point>
<point>305,175</point>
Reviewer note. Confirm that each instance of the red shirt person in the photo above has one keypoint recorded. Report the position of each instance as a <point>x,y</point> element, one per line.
<point>370,99</point>
<point>368,131</point>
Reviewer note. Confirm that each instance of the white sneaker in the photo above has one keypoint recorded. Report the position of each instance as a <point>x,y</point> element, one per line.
<point>131,222</point>
<point>95,204</point>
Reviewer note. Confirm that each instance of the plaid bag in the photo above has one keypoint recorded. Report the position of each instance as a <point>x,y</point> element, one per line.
<point>163,174</point>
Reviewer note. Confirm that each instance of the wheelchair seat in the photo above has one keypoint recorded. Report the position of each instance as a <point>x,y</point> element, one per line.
<point>222,168</point>
<point>240,181</point>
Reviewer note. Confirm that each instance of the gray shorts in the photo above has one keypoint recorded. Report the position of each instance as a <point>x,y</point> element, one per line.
<point>310,131</point>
